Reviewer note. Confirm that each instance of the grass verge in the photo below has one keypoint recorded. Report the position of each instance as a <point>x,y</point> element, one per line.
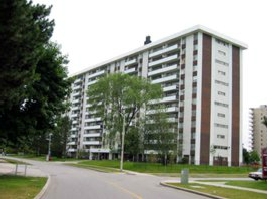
<point>220,191</point>
<point>20,187</point>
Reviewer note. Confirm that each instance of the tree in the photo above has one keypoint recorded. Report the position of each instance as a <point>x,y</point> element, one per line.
<point>24,30</point>
<point>34,82</point>
<point>246,156</point>
<point>117,96</point>
<point>60,137</point>
<point>254,157</point>
<point>160,134</point>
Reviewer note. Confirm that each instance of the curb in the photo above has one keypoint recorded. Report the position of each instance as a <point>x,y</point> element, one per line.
<point>191,191</point>
<point>43,190</point>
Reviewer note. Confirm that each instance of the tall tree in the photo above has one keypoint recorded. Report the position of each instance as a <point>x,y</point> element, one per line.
<point>24,30</point>
<point>34,80</point>
<point>119,96</point>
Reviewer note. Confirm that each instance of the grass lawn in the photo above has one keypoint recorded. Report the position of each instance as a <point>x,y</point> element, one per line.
<point>222,192</point>
<point>20,187</point>
<point>156,168</point>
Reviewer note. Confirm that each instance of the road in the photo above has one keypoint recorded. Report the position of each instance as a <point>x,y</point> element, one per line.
<point>67,182</point>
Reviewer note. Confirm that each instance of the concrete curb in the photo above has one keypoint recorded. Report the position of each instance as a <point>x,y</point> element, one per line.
<point>43,190</point>
<point>191,191</point>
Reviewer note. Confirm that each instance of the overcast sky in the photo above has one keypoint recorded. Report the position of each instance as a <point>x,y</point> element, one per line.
<point>93,31</point>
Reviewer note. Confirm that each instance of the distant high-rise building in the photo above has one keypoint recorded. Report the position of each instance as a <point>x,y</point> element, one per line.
<point>258,130</point>
<point>200,71</point>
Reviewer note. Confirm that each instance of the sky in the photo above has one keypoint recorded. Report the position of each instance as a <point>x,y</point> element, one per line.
<point>93,31</point>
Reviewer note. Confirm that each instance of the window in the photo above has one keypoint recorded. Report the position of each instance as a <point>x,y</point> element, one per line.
<point>221,83</point>
<point>221,52</point>
<point>221,104</point>
<point>220,136</point>
<point>221,93</point>
<point>221,72</point>
<point>221,125</point>
<point>221,115</point>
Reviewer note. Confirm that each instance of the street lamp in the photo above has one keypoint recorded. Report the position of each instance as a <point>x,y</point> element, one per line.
<point>49,152</point>
<point>122,141</point>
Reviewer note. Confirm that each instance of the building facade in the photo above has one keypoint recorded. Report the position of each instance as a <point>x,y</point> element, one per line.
<point>200,71</point>
<point>258,131</point>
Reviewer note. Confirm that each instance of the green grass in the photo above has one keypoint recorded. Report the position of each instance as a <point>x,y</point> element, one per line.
<point>20,187</point>
<point>220,191</point>
<point>155,168</point>
<point>261,184</point>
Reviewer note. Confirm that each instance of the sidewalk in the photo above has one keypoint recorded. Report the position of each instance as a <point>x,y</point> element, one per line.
<point>20,169</point>
<point>218,184</point>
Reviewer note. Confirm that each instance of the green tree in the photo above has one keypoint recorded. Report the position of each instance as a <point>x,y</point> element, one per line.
<point>34,82</point>
<point>246,156</point>
<point>254,157</point>
<point>160,134</point>
<point>117,96</point>
<point>60,137</point>
<point>132,143</point>
<point>24,30</point>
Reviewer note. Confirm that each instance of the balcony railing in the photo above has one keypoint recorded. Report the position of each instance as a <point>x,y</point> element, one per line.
<point>165,50</point>
<point>163,70</point>
<point>163,60</point>
<point>165,79</point>
<point>92,127</point>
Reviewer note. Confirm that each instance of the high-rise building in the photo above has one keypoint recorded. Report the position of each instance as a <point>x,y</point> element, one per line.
<point>258,130</point>
<point>200,71</point>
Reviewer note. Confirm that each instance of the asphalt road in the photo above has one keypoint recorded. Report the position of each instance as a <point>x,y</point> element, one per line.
<point>67,182</point>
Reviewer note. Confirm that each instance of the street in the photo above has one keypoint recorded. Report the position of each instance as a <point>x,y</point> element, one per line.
<point>67,182</point>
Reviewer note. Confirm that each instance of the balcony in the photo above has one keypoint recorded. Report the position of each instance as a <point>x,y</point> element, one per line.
<point>96,74</point>
<point>74,115</point>
<point>78,86</point>
<point>165,79</point>
<point>163,60</point>
<point>91,143</point>
<point>75,122</point>
<point>169,98</point>
<point>74,129</point>
<point>165,50</point>
<point>73,136</point>
<point>130,70</point>
<point>92,127</point>
<point>76,93</point>
<point>92,82</point>
<point>71,143</point>
<point>172,109</point>
<point>72,150</point>
<point>92,135</point>
<point>93,119</point>
<point>163,70</point>
<point>75,108</point>
<point>170,88</point>
<point>133,61</point>
<point>78,80</point>
<point>76,101</point>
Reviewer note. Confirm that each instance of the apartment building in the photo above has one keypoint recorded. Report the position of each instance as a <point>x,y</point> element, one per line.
<point>200,71</point>
<point>258,131</point>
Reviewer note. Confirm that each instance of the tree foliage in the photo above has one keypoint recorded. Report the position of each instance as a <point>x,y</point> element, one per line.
<point>159,133</point>
<point>119,95</point>
<point>34,80</point>
<point>24,30</point>
<point>60,137</point>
